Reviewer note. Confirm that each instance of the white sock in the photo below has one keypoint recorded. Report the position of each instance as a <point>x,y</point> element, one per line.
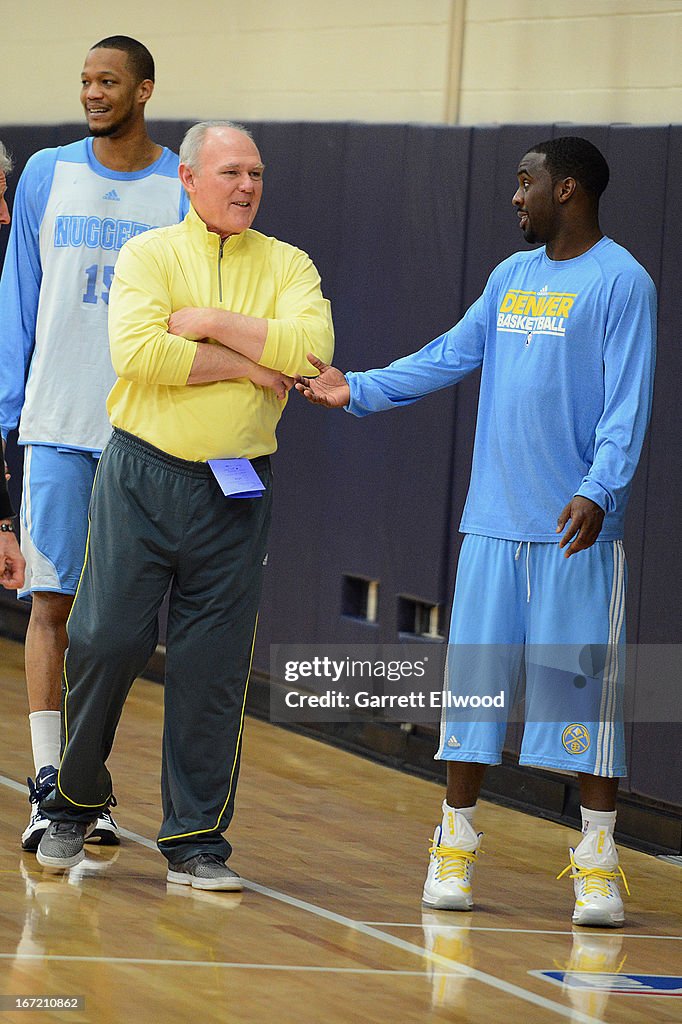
<point>593,820</point>
<point>45,737</point>
<point>466,812</point>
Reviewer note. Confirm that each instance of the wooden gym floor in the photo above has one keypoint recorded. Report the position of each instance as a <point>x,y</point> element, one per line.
<point>329,928</point>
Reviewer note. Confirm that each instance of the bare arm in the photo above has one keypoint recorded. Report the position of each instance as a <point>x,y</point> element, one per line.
<point>214,362</point>
<point>243,334</point>
<point>292,322</point>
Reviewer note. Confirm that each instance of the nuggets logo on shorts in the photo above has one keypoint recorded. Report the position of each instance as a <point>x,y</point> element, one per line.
<point>576,739</point>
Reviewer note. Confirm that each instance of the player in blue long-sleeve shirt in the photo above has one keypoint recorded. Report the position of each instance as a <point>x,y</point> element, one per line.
<point>565,338</point>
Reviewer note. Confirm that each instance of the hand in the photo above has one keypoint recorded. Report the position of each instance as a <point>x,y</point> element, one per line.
<point>12,563</point>
<point>278,382</point>
<point>190,322</point>
<point>329,389</point>
<point>586,519</point>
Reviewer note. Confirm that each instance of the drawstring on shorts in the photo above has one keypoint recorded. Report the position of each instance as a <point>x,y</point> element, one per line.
<point>516,558</point>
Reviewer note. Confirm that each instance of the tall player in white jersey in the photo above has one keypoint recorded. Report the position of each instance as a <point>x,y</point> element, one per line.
<point>75,207</point>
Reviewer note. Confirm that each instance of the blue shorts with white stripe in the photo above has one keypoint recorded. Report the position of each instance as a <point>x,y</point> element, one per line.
<point>523,612</point>
<point>54,516</point>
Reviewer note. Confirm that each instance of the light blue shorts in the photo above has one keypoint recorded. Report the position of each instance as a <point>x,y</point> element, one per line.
<point>54,516</point>
<point>524,610</point>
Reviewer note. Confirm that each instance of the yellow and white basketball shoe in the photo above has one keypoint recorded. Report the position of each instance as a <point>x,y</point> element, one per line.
<point>454,852</point>
<point>595,872</point>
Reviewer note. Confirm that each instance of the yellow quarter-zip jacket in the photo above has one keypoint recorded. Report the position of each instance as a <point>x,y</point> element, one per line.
<point>169,268</point>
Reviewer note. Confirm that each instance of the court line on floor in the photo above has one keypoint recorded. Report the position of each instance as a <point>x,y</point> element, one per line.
<point>522,931</point>
<point>575,1016</point>
<point>148,962</point>
<point>408,947</point>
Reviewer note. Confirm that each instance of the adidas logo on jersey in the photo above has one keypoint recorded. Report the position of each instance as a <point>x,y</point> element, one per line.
<point>454,742</point>
<point>112,195</point>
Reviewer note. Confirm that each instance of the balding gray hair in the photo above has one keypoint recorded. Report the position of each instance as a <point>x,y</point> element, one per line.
<point>5,159</point>
<point>194,139</point>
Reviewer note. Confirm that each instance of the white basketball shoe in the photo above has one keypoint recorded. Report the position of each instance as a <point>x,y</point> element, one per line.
<point>454,851</point>
<point>595,872</point>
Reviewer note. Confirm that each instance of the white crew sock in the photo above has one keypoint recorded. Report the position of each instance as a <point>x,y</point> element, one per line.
<point>594,820</point>
<point>45,738</point>
<point>466,812</point>
<point>458,828</point>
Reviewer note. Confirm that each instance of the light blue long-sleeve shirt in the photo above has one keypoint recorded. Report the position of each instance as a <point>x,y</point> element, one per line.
<point>567,354</point>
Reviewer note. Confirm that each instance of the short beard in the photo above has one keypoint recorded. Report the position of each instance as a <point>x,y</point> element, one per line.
<point>107,132</point>
<point>530,235</point>
<point>102,133</point>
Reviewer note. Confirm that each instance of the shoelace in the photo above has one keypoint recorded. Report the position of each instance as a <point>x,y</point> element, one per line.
<point>201,858</point>
<point>65,826</point>
<point>454,863</point>
<point>36,793</point>
<point>595,879</point>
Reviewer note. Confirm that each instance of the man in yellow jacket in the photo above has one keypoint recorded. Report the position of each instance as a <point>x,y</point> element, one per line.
<point>208,322</point>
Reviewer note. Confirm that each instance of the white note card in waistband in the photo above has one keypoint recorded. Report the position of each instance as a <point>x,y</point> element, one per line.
<point>237,478</point>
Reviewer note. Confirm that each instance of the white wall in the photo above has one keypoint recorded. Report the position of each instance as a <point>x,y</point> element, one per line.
<point>587,60</point>
<point>369,60</point>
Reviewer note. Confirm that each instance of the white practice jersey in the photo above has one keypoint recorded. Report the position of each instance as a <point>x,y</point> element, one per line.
<point>71,217</point>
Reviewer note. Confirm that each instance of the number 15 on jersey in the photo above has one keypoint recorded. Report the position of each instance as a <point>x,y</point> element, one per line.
<point>92,277</point>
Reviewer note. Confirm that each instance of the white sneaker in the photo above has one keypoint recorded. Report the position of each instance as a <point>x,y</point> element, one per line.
<point>35,830</point>
<point>595,872</point>
<point>105,831</point>
<point>453,853</point>
<point>46,780</point>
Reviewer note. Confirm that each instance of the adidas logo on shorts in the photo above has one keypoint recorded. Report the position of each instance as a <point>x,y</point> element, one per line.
<point>454,742</point>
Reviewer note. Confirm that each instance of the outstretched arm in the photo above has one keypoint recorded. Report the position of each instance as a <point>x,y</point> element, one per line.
<point>442,362</point>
